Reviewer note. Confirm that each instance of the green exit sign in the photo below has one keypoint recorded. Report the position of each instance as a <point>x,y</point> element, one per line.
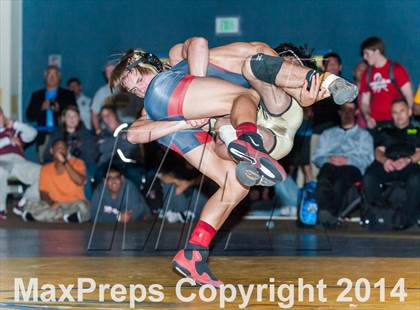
<point>228,25</point>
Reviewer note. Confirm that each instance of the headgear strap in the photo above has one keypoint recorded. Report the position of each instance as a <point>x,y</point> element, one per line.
<point>140,56</point>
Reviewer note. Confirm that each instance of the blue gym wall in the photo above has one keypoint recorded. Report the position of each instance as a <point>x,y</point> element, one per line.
<point>85,32</point>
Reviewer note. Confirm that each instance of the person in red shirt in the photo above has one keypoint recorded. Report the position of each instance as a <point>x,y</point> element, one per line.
<point>387,81</point>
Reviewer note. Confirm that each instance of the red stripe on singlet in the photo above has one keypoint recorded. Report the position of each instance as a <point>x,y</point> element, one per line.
<point>203,137</point>
<point>174,148</point>
<point>176,100</point>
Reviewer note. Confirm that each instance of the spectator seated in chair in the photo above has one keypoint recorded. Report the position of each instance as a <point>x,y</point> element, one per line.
<point>13,135</point>
<point>179,182</point>
<point>342,154</point>
<point>397,156</point>
<point>61,188</point>
<point>80,141</point>
<point>120,200</point>
<point>127,158</point>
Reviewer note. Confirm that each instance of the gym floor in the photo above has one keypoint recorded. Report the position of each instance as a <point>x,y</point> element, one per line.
<point>245,253</point>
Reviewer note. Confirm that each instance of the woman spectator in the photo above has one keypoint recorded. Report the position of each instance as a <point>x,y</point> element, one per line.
<point>81,142</point>
<point>124,155</point>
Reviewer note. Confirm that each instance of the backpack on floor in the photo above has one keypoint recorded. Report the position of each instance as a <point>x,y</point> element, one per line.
<point>389,213</point>
<point>308,207</point>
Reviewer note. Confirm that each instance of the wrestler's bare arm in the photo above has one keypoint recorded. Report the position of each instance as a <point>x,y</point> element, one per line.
<point>144,130</point>
<point>175,54</point>
<point>196,51</point>
<point>230,56</point>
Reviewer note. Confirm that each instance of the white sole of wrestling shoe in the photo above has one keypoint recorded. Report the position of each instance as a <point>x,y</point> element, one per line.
<point>343,91</point>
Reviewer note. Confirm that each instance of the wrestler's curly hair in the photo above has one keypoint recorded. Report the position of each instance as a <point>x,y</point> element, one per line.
<point>302,53</point>
<point>135,59</point>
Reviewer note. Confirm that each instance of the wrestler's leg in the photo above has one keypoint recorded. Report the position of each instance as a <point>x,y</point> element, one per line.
<point>233,57</point>
<point>221,142</point>
<point>288,75</point>
<point>278,134</point>
<point>246,173</point>
<point>207,97</point>
<point>230,191</point>
<point>191,261</point>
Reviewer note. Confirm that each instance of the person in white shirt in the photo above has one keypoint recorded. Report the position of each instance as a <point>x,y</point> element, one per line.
<point>13,135</point>
<point>100,96</point>
<point>83,102</point>
<point>343,153</point>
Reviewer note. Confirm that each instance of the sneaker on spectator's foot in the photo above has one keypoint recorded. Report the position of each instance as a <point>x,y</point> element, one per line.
<point>290,211</point>
<point>72,218</point>
<point>327,219</point>
<point>22,202</point>
<point>18,210</point>
<point>3,215</point>
<point>27,217</point>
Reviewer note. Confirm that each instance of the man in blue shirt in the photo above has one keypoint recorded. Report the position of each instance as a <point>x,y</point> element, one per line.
<point>47,104</point>
<point>343,154</point>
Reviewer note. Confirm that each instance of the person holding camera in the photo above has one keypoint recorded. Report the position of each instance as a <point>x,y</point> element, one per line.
<point>397,157</point>
<point>47,104</point>
<point>81,142</point>
<point>61,189</point>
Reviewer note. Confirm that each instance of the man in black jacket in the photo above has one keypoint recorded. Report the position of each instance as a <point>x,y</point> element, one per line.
<point>51,99</point>
<point>397,155</point>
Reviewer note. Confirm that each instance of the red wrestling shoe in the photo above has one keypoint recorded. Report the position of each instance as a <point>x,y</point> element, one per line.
<point>192,263</point>
<point>249,147</point>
